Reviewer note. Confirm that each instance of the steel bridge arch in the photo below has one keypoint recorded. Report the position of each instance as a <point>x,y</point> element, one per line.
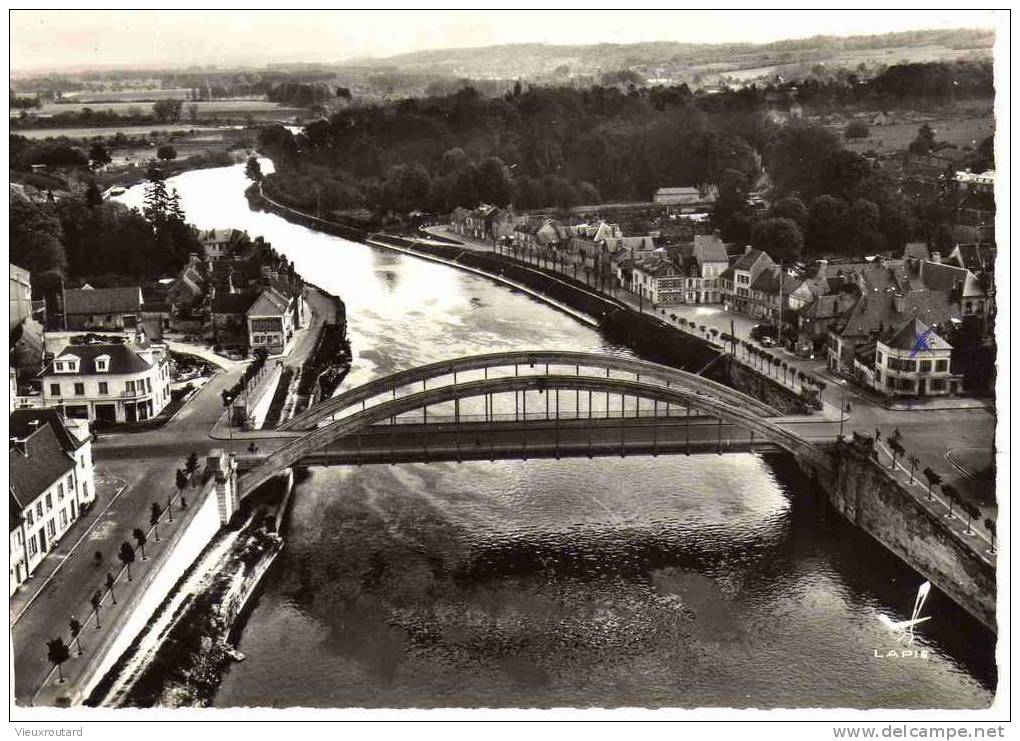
<point>696,384</point>
<point>291,453</point>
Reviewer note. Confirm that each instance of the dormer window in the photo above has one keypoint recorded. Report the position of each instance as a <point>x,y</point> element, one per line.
<point>103,364</point>
<point>67,364</point>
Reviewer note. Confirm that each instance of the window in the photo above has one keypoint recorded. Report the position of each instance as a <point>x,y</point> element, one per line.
<point>54,389</point>
<point>32,547</point>
<point>58,366</point>
<point>148,385</point>
<point>51,527</point>
<point>70,482</point>
<point>60,492</point>
<point>890,382</point>
<point>84,490</point>
<point>49,499</point>
<point>878,358</point>
<point>63,518</point>
<point>38,509</point>
<point>924,366</point>
<point>100,365</point>
<point>941,366</point>
<point>129,387</point>
<point>79,389</point>
<point>29,517</point>
<point>104,388</point>
<point>937,384</point>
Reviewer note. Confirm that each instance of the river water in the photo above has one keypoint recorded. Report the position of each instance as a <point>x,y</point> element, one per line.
<point>669,581</point>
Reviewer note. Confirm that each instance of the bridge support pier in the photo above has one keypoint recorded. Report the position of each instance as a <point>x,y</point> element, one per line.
<point>223,467</point>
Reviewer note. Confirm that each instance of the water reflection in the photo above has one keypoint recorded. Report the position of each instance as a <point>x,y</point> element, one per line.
<point>640,581</point>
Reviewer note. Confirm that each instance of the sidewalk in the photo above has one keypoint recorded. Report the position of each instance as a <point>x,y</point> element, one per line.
<point>108,488</point>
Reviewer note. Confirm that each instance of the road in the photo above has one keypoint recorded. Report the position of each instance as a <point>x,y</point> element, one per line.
<point>144,464</point>
<point>930,430</point>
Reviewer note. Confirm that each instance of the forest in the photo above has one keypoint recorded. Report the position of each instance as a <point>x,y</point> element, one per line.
<point>557,147</point>
<point>85,238</point>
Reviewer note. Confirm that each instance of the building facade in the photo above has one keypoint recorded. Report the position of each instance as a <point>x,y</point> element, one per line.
<point>51,483</point>
<point>124,382</point>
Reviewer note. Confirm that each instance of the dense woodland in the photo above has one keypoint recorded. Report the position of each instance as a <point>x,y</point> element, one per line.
<point>85,238</point>
<point>556,147</point>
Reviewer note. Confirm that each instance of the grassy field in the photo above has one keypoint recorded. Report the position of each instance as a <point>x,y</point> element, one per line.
<point>851,58</point>
<point>958,130</point>
<point>205,108</point>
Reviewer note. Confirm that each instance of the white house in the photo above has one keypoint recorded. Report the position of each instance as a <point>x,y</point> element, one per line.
<point>51,482</point>
<point>911,360</point>
<point>216,243</point>
<point>109,382</point>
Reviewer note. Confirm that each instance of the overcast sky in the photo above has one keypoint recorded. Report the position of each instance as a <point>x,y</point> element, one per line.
<point>68,39</point>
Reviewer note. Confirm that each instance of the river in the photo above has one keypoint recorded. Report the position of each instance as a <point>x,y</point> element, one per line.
<point>669,581</point>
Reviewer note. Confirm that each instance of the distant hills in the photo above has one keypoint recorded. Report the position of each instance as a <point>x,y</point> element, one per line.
<point>676,61</point>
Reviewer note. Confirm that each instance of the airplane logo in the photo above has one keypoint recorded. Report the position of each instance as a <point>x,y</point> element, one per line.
<point>905,628</point>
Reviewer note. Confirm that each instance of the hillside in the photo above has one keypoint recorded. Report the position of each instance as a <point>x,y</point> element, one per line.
<point>701,63</point>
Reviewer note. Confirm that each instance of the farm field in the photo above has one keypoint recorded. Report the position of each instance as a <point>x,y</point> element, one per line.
<point>958,130</point>
<point>82,132</point>
<point>205,108</point>
<point>851,58</point>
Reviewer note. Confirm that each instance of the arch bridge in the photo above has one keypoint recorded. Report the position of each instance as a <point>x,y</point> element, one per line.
<point>659,409</point>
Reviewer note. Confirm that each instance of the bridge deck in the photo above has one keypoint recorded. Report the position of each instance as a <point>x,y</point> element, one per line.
<point>477,440</point>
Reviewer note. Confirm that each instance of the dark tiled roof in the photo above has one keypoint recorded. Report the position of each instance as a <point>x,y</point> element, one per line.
<point>232,303</point>
<point>102,300</point>
<point>36,464</point>
<point>767,282</point>
<point>709,248</point>
<point>269,303</point>
<point>908,337</point>
<point>22,426</point>
<point>123,359</point>
<point>938,276</point>
<point>747,260</point>
<point>878,310</point>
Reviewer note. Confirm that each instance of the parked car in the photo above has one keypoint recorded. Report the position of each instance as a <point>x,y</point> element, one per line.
<point>760,331</point>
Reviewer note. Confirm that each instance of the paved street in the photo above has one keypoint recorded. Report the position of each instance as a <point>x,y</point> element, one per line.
<point>138,468</point>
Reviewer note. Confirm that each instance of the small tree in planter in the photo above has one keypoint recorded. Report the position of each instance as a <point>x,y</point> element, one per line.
<point>895,450</point>
<point>914,461</point>
<point>990,527</point>
<point>933,479</point>
<point>154,514</point>
<point>75,627</point>
<point>952,497</point>
<point>127,557</point>
<point>972,513</point>
<point>96,600</point>
<point>140,540</point>
<point>58,652</point>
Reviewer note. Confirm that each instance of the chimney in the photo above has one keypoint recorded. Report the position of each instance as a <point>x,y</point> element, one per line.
<point>747,249</point>
<point>936,257</point>
<point>19,445</point>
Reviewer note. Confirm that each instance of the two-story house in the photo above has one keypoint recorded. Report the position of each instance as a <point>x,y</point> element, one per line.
<point>217,244</point>
<point>736,280</point>
<point>51,480</point>
<point>108,382</point>
<point>710,261</point>
<point>909,360</point>
<point>270,321</point>
<point>658,280</point>
<point>103,308</point>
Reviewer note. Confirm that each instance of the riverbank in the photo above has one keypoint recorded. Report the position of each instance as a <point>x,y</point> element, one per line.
<point>181,655</point>
<point>646,334</point>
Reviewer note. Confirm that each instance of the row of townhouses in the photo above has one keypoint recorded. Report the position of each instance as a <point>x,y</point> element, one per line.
<point>52,482</point>
<point>858,315</point>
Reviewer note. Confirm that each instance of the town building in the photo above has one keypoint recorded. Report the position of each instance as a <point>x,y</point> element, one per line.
<point>218,244</point>
<point>51,482</point>
<point>20,295</point>
<point>271,321</point>
<point>89,308</point>
<point>656,278</point>
<point>735,281</point>
<point>109,382</point>
<point>909,360</point>
<point>709,263</point>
